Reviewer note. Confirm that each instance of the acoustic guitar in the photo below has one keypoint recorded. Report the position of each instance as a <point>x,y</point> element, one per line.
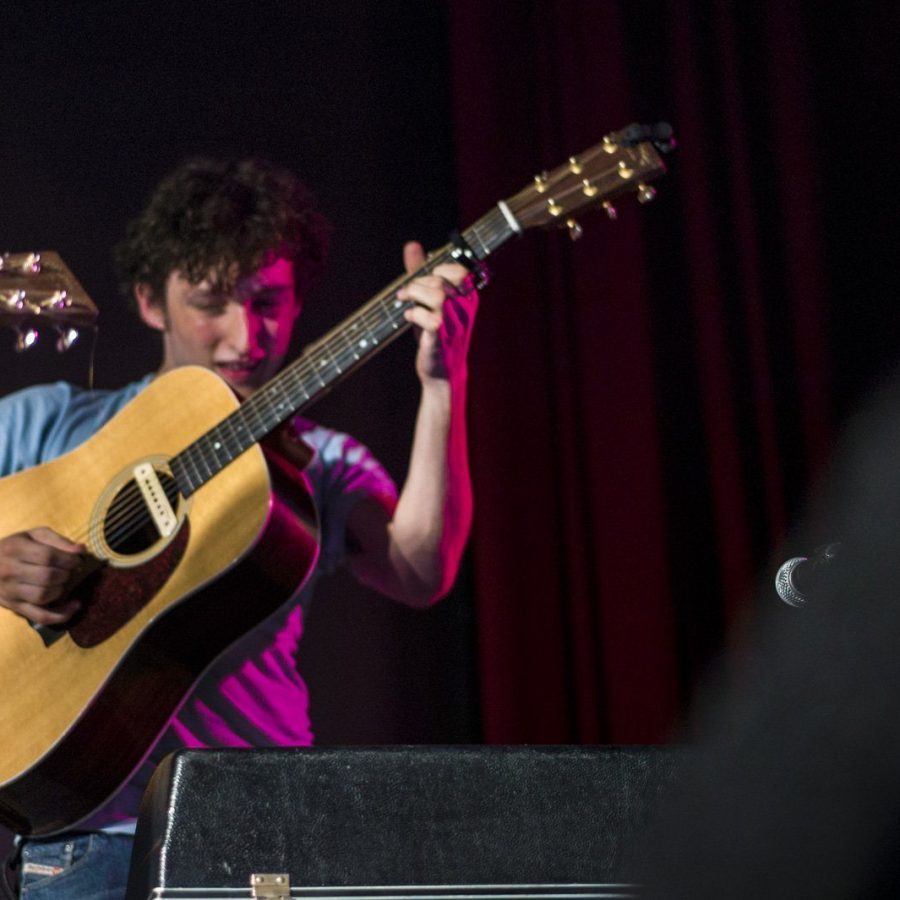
<point>188,507</point>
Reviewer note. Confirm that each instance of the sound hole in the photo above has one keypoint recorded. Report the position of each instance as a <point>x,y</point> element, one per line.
<point>128,527</point>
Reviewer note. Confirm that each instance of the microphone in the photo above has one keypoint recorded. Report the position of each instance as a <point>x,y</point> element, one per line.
<point>799,577</point>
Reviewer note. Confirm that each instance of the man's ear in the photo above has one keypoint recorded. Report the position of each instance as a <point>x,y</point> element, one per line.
<point>150,308</point>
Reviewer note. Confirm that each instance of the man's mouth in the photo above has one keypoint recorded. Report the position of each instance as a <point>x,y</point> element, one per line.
<point>238,369</point>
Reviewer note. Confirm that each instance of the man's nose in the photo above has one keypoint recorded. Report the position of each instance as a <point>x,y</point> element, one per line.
<point>244,328</point>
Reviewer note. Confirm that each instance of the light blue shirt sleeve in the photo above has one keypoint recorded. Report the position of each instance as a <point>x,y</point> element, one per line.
<point>28,421</point>
<point>40,423</point>
<point>342,472</point>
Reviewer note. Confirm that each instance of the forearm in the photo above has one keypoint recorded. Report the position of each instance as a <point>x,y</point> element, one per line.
<point>412,552</point>
<point>433,516</point>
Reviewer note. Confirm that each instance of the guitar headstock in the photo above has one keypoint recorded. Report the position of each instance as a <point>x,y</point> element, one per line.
<point>38,290</point>
<point>624,161</point>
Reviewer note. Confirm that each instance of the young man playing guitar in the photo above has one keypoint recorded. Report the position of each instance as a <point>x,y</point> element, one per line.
<point>219,264</point>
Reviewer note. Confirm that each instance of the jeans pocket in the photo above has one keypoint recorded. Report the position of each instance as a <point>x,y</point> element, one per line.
<point>44,861</point>
<point>81,867</point>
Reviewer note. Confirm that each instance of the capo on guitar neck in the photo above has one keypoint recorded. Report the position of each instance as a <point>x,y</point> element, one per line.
<point>463,253</point>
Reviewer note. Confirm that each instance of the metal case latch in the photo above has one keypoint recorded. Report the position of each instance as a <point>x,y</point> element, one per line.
<point>270,886</point>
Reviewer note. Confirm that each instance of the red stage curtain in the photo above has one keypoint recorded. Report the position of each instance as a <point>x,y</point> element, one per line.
<point>648,404</point>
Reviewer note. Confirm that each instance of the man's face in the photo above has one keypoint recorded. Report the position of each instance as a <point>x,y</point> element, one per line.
<point>242,333</point>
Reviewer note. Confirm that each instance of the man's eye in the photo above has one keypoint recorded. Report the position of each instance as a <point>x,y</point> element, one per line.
<point>209,308</point>
<point>207,301</point>
<point>267,306</point>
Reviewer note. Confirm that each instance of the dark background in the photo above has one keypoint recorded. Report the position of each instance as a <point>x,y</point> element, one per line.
<point>651,408</point>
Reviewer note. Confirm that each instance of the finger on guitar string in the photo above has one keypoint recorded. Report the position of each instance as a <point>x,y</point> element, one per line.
<point>424,319</point>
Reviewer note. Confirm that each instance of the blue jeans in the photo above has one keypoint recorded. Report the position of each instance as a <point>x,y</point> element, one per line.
<point>90,866</point>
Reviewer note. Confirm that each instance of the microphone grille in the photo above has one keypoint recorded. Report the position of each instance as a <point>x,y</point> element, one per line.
<point>785,586</point>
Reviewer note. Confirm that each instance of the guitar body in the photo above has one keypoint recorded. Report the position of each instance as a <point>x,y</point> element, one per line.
<point>80,710</point>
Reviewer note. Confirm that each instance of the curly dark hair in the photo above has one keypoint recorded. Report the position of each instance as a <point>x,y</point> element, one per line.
<point>209,214</point>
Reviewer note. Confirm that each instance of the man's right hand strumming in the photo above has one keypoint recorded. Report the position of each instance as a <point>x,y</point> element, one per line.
<point>36,568</point>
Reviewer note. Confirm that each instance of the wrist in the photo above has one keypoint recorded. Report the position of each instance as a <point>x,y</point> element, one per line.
<point>452,383</point>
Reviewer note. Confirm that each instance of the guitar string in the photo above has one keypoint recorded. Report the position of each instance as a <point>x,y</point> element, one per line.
<point>132,515</point>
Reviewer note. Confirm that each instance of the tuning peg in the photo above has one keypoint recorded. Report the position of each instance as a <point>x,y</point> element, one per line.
<point>646,192</point>
<point>575,230</point>
<point>21,263</point>
<point>67,337</point>
<point>610,210</point>
<point>13,300</point>
<point>25,339</point>
<point>57,300</point>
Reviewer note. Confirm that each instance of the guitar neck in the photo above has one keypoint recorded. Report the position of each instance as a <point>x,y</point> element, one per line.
<point>326,362</point>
